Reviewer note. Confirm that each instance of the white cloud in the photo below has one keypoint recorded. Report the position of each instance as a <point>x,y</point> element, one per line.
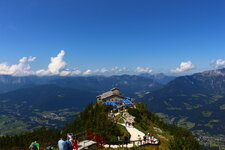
<point>56,66</point>
<point>76,72</point>
<point>65,73</point>
<point>57,63</point>
<point>220,63</point>
<point>25,59</point>
<point>184,66</point>
<point>117,70</point>
<point>143,70</point>
<point>101,71</point>
<point>20,69</point>
<point>31,59</point>
<point>42,72</point>
<point>88,72</point>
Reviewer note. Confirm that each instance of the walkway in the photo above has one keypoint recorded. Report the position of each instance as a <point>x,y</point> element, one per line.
<point>85,144</point>
<point>134,134</point>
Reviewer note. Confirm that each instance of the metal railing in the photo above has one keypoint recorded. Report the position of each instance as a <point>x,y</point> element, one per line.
<point>134,142</point>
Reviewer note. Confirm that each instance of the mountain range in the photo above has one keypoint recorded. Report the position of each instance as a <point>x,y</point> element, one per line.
<point>196,102</point>
<point>32,101</point>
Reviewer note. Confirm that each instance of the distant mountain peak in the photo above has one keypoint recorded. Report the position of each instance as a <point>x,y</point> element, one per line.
<point>159,77</point>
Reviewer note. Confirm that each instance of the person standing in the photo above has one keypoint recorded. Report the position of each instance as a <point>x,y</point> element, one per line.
<point>139,139</point>
<point>67,144</point>
<point>61,144</point>
<point>126,140</point>
<point>148,137</point>
<point>119,141</point>
<point>144,139</point>
<point>75,143</point>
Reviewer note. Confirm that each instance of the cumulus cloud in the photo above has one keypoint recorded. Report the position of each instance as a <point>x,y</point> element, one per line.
<point>143,70</point>
<point>218,64</point>
<point>184,66</point>
<point>57,63</point>
<point>56,66</point>
<point>25,59</point>
<point>23,68</point>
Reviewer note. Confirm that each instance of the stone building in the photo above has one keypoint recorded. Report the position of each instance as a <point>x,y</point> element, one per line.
<point>112,95</point>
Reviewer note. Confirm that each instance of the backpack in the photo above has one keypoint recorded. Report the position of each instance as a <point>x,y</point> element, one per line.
<point>33,147</point>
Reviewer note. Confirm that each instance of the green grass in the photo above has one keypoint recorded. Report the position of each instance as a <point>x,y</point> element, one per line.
<point>3,101</point>
<point>13,127</point>
<point>210,125</point>
<point>188,106</point>
<point>206,113</point>
<point>222,107</point>
<point>173,108</point>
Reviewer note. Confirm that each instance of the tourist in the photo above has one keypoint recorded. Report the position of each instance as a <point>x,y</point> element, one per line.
<point>129,124</point>
<point>75,143</point>
<point>126,140</point>
<point>139,139</point>
<point>34,146</point>
<point>67,144</point>
<point>148,137</point>
<point>152,139</point>
<point>70,136</point>
<point>118,140</point>
<point>61,144</point>
<point>144,139</point>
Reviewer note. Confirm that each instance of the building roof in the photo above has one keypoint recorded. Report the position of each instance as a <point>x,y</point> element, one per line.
<point>126,101</point>
<point>109,94</point>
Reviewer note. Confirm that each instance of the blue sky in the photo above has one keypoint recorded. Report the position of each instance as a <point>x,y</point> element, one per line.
<point>153,35</point>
